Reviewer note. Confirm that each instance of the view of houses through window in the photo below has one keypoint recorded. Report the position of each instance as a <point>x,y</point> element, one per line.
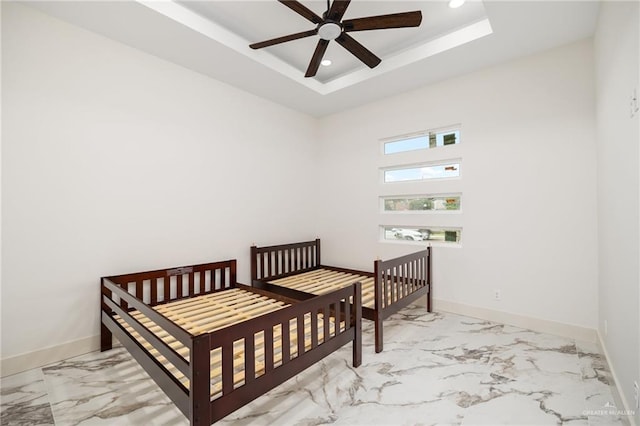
<point>421,234</point>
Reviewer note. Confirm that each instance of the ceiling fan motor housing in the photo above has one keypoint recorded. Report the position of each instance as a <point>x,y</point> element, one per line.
<point>329,30</point>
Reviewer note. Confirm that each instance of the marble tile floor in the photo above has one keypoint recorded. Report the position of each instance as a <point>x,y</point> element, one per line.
<point>437,369</point>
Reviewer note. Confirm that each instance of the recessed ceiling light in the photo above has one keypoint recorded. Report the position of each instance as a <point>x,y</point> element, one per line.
<point>453,4</point>
<point>326,62</point>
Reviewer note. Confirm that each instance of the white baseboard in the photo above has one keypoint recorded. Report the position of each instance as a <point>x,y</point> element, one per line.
<point>536,324</point>
<point>618,395</point>
<point>39,358</point>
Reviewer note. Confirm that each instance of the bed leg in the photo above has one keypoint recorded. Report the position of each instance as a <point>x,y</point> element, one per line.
<point>378,332</point>
<point>429,278</point>
<point>199,412</point>
<point>357,339</point>
<point>357,350</point>
<point>106,342</point>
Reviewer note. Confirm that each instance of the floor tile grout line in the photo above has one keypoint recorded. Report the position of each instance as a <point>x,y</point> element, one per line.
<point>48,393</point>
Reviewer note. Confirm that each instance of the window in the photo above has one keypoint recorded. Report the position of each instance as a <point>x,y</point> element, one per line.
<point>405,233</point>
<point>432,139</point>
<point>423,188</point>
<point>421,203</point>
<point>414,173</point>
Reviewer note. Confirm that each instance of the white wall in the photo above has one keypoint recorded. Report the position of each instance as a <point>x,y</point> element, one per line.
<point>528,183</point>
<point>115,161</point>
<point>617,74</point>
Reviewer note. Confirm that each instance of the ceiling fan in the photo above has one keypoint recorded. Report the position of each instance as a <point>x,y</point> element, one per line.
<point>331,27</point>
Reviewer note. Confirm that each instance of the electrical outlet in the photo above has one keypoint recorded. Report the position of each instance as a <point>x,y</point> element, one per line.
<point>496,294</point>
<point>634,105</point>
<point>636,395</point>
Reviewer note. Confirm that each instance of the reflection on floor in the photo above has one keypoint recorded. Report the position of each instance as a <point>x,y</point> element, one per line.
<point>437,368</point>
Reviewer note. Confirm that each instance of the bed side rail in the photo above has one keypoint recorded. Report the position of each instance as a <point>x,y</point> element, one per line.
<point>165,285</point>
<point>316,335</point>
<point>401,277</point>
<point>272,262</point>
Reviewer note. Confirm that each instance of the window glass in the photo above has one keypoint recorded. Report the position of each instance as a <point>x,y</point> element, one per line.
<point>421,203</point>
<point>395,233</point>
<point>411,144</point>
<point>422,173</point>
<point>426,141</point>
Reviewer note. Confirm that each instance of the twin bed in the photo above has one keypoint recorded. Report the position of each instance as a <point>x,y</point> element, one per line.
<point>296,270</point>
<point>213,344</point>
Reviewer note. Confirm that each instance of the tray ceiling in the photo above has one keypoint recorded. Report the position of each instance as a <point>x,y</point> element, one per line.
<point>213,37</point>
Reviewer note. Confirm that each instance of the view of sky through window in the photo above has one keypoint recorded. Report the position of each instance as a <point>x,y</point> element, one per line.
<point>430,140</point>
<point>422,173</point>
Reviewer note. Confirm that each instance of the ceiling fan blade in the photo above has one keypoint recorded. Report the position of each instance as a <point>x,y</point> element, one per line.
<point>283,39</point>
<point>394,20</point>
<point>302,10</point>
<point>317,58</point>
<point>358,50</point>
<point>338,8</point>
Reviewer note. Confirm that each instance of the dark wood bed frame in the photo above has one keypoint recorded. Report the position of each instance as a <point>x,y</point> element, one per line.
<point>398,282</point>
<point>141,291</point>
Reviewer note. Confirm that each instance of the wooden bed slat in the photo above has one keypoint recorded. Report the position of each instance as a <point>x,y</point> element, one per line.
<point>322,281</point>
<point>315,282</point>
<point>210,312</point>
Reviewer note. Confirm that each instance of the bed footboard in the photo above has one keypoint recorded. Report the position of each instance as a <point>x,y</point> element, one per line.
<point>399,282</point>
<point>322,325</point>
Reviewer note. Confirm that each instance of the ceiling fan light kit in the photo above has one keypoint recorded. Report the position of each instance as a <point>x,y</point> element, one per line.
<point>331,27</point>
<point>329,31</point>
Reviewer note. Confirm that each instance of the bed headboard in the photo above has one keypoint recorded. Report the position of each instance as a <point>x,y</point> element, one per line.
<point>165,285</point>
<point>272,262</point>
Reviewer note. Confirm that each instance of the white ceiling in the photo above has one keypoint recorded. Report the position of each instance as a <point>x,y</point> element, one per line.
<point>212,37</point>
